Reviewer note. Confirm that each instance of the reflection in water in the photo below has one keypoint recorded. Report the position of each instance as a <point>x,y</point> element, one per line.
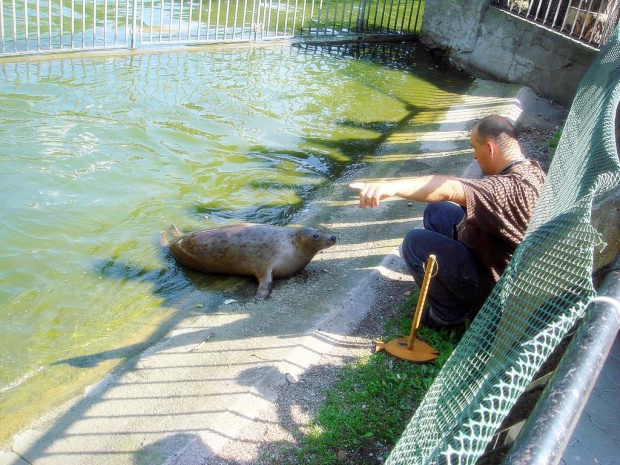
<point>102,153</point>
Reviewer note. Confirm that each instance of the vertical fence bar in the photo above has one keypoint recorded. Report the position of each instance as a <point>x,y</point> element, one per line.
<point>170,20</point>
<point>557,12</point>
<point>180,21</point>
<point>199,19</point>
<point>402,22</point>
<point>72,18</point>
<point>83,23</point>
<point>255,18</point>
<point>529,8</point>
<point>303,17</point>
<point>151,18</point>
<point>2,25</point>
<point>226,18</point>
<point>288,4</point>
<point>318,21</point>
<point>49,22</point>
<point>252,20</point>
<point>547,12</point>
<point>389,17</point>
<point>234,29</point>
<point>105,22</point>
<point>209,19</point>
<point>596,22</point>
<point>335,17</point>
<point>415,24</point>
<point>264,26</point>
<point>374,24</point>
<point>245,15</point>
<point>13,15</point>
<point>538,10</point>
<point>94,23</point>
<point>217,19</point>
<point>572,29</point>
<point>38,25</point>
<point>128,31</point>
<point>161,20</point>
<point>348,23</point>
<point>277,17</point>
<point>417,15</point>
<point>140,25</point>
<point>127,24</point>
<point>2,38</point>
<point>26,23</point>
<point>62,25</point>
<point>115,23</point>
<point>134,23</point>
<point>329,5</point>
<point>585,21</point>
<point>268,15</point>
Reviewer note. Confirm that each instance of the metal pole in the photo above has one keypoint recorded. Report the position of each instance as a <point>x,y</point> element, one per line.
<point>134,22</point>
<point>550,425</point>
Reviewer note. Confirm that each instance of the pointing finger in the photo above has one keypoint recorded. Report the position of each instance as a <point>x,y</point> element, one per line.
<point>357,185</point>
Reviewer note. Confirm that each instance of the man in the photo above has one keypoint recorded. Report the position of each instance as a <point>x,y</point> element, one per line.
<point>472,226</point>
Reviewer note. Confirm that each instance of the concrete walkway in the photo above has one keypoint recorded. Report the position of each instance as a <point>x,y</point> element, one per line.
<point>189,395</point>
<point>596,439</point>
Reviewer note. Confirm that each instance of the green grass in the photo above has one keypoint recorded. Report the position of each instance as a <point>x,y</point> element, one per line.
<point>367,410</point>
<point>553,142</point>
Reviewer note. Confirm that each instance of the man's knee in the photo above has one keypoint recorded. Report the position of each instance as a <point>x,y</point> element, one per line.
<point>442,217</point>
<point>416,248</point>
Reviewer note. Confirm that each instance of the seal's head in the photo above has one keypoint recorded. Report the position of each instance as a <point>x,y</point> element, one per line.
<point>313,241</point>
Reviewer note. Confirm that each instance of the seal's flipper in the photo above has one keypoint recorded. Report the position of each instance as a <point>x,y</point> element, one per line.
<point>265,284</point>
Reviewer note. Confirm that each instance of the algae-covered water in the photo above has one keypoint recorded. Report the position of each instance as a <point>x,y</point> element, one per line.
<point>100,154</point>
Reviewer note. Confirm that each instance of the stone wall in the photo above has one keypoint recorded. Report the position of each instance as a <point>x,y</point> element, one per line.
<point>494,44</point>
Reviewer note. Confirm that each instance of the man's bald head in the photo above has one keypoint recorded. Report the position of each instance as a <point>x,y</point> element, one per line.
<point>502,132</point>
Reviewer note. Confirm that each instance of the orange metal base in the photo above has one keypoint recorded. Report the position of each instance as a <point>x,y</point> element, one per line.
<point>421,352</point>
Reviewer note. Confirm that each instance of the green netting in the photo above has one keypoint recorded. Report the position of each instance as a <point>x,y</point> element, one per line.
<point>542,293</point>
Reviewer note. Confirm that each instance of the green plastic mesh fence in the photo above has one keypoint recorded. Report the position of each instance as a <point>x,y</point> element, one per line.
<point>542,293</point>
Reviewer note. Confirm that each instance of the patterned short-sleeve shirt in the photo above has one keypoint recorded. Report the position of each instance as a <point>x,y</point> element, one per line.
<point>498,210</point>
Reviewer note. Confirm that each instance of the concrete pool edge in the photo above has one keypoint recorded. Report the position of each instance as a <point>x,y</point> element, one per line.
<point>123,419</point>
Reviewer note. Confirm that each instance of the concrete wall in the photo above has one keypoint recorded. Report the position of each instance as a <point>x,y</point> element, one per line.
<point>491,43</point>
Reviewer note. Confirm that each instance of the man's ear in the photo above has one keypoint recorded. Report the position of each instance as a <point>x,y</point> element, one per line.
<point>490,148</point>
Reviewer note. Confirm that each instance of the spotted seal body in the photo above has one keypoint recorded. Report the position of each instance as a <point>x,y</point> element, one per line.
<point>266,252</point>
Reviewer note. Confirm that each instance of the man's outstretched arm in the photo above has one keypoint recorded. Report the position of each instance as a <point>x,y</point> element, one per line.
<point>431,188</point>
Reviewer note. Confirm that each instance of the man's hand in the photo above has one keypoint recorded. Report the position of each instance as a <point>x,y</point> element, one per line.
<point>371,193</point>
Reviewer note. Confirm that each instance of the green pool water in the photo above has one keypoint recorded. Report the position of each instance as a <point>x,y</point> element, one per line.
<point>100,154</point>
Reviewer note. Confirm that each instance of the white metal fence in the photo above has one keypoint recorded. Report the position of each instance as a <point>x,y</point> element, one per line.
<point>590,21</point>
<point>38,26</point>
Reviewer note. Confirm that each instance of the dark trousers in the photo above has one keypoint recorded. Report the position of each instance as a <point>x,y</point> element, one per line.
<point>453,294</point>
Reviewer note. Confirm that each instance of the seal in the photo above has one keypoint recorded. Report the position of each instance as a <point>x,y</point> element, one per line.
<point>264,251</point>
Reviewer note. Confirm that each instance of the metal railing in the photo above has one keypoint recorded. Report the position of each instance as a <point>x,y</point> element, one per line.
<point>38,26</point>
<point>568,390</point>
<point>589,21</point>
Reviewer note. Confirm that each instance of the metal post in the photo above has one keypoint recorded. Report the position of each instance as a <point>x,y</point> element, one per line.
<point>134,22</point>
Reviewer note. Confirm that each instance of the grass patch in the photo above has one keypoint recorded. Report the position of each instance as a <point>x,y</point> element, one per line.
<point>366,412</point>
<point>553,142</point>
